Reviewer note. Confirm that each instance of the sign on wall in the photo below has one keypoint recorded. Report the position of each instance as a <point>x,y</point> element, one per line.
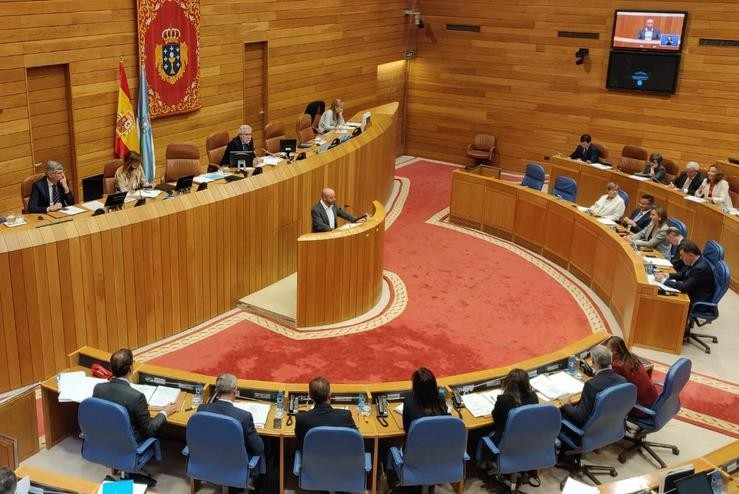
<point>169,47</point>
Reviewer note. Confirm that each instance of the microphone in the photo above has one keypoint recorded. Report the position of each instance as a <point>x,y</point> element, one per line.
<point>364,215</point>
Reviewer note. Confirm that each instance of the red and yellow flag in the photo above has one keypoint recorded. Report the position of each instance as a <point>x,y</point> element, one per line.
<point>126,130</point>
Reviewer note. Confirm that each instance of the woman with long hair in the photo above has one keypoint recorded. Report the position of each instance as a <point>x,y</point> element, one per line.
<point>333,117</point>
<point>130,176</point>
<point>715,188</point>
<point>631,368</point>
<point>424,400</point>
<point>654,235</point>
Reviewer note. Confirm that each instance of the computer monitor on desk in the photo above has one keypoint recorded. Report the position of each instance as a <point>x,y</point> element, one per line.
<point>241,159</point>
<point>115,201</point>
<point>288,145</point>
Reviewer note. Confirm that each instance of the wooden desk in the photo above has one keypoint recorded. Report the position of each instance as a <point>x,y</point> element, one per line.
<point>350,262</point>
<point>57,480</point>
<point>704,221</point>
<point>594,253</point>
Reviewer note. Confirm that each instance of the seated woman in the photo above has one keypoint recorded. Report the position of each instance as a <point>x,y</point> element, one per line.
<point>630,367</point>
<point>715,189</point>
<point>655,169</point>
<point>424,400</point>
<point>654,235</point>
<point>333,117</point>
<point>610,205</point>
<point>130,176</point>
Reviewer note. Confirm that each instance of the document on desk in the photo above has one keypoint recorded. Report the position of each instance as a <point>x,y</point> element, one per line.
<point>668,289</point>
<point>601,166</point>
<point>641,179</point>
<point>695,199</point>
<point>259,411</point>
<point>163,396</point>
<point>71,210</point>
<point>573,486</point>
<point>272,160</point>
<point>146,389</point>
<point>481,404</point>
<point>93,205</point>
<point>148,193</point>
<point>606,221</point>
<point>658,261</point>
<point>582,209</point>
<point>207,177</point>
<point>76,386</point>
<point>556,385</point>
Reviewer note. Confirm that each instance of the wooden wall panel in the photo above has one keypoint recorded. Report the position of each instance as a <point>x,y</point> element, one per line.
<point>517,80</point>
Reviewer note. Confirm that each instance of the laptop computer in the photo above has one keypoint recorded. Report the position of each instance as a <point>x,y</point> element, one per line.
<point>288,145</point>
<point>695,484</point>
<point>183,184</point>
<point>115,200</point>
<point>241,159</point>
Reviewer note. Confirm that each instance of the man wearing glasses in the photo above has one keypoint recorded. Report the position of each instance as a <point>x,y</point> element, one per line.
<point>242,142</point>
<point>52,192</point>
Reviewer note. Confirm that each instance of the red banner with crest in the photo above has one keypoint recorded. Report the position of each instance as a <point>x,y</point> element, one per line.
<point>169,46</point>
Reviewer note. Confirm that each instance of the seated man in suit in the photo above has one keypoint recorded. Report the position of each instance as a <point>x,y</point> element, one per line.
<point>696,279</point>
<point>51,193</point>
<point>676,239</point>
<point>325,212</point>
<point>689,180</point>
<point>119,390</point>
<point>242,142</point>
<point>639,218</point>
<point>8,481</point>
<point>226,390</point>
<point>322,413</point>
<point>585,151</point>
<point>603,378</point>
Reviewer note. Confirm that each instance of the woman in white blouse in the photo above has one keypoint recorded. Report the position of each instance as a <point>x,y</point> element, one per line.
<point>333,117</point>
<point>715,189</point>
<point>610,205</point>
<point>654,236</point>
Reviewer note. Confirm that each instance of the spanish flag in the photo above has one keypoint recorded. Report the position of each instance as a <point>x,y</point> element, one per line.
<point>126,130</point>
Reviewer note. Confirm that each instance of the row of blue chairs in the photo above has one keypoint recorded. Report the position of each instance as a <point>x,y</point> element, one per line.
<point>564,187</point>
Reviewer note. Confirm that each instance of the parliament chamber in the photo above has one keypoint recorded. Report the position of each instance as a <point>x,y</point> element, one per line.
<point>74,289</point>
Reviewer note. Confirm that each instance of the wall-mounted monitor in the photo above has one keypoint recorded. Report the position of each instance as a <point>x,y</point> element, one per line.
<point>643,71</point>
<point>645,30</point>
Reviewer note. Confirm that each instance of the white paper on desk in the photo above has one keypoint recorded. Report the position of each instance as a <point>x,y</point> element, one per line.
<point>146,389</point>
<point>582,209</point>
<point>658,261</point>
<point>137,488</point>
<point>163,396</point>
<point>17,222</point>
<point>399,409</point>
<point>695,199</point>
<point>75,386</point>
<point>23,485</point>
<point>71,210</point>
<point>93,205</point>
<point>271,160</point>
<point>480,404</point>
<point>573,486</point>
<point>566,382</point>
<point>601,166</point>
<point>668,289</point>
<point>641,179</point>
<point>148,193</point>
<point>554,386</point>
<point>606,221</point>
<point>353,124</point>
<point>259,411</point>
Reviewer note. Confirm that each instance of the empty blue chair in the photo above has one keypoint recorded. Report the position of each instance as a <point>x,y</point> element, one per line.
<point>534,176</point>
<point>702,313</point>
<point>566,188</point>
<point>107,437</point>
<point>661,412</point>
<point>434,452</point>
<point>625,196</point>
<point>332,459</point>
<point>679,225</point>
<point>605,426</point>
<point>713,252</point>
<point>216,451</point>
<point>528,441</point>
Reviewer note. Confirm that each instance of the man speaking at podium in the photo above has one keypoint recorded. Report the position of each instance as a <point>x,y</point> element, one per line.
<point>325,212</point>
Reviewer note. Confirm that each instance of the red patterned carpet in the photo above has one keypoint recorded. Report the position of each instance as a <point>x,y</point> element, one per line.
<point>472,303</point>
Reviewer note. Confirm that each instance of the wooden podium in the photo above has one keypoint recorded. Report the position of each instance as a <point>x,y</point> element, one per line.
<point>340,272</point>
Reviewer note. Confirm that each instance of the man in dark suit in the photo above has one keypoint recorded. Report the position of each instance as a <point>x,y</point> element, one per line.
<point>696,279</point>
<point>51,193</point>
<point>119,390</point>
<point>325,213</point>
<point>586,151</point>
<point>242,142</point>
<point>690,179</point>
<point>640,217</point>
<point>603,378</point>
<point>649,32</point>
<point>322,413</point>
<point>676,239</point>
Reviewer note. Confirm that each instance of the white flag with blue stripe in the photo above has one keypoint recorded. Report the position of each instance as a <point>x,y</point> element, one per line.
<point>146,138</point>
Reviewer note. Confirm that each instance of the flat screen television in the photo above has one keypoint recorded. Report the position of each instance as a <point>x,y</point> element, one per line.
<point>643,71</point>
<point>648,30</point>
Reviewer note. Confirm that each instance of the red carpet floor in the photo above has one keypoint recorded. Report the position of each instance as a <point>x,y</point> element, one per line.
<point>471,305</point>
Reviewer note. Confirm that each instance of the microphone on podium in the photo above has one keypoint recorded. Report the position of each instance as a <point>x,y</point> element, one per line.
<point>364,215</point>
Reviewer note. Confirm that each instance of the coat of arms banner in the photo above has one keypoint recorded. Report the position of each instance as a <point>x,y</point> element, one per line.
<point>169,47</point>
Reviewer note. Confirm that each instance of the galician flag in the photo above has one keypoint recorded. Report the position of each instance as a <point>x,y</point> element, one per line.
<point>145,135</point>
<point>126,131</point>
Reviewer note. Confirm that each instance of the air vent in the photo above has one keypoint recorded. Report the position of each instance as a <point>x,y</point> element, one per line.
<point>577,34</point>
<point>468,28</point>
<point>719,42</point>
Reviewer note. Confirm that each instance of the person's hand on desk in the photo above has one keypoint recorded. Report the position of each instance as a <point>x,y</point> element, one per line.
<point>54,207</point>
<point>170,409</point>
<point>660,277</point>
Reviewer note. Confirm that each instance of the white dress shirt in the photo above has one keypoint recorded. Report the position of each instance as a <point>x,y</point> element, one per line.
<point>613,209</point>
<point>330,213</point>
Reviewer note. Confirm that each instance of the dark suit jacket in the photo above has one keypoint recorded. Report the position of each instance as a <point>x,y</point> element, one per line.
<point>696,280</point>
<point>680,180</point>
<point>580,414</point>
<point>322,414</point>
<point>254,444</point>
<point>642,223</point>
<point>119,391</point>
<point>678,263</point>
<point>503,405</point>
<point>40,200</point>
<point>412,411</point>
<point>320,218</point>
<point>236,145</point>
<point>656,33</point>
<point>591,154</point>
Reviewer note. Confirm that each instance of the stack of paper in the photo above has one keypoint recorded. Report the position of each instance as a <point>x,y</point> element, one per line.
<point>271,160</point>
<point>71,210</point>
<point>668,289</point>
<point>583,209</point>
<point>481,404</point>
<point>93,205</point>
<point>695,199</point>
<point>76,386</point>
<point>606,221</point>
<point>146,389</point>
<point>208,177</point>
<point>658,261</point>
<point>163,396</point>
<point>641,179</point>
<point>601,166</point>
<point>556,385</point>
<point>259,411</point>
<point>145,193</point>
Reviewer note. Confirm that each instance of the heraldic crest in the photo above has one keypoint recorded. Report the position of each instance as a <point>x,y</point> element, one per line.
<point>171,57</point>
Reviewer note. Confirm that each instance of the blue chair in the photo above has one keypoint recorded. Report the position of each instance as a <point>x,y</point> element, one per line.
<point>702,313</point>
<point>605,426</point>
<point>332,459</point>
<point>625,196</point>
<point>529,441</point>
<point>661,412</point>
<point>713,252</point>
<point>566,188</point>
<point>434,453</point>
<point>534,176</point>
<point>679,225</point>
<point>107,437</point>
<point>216,451</point>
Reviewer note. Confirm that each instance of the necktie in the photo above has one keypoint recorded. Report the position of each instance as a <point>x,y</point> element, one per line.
<point>57,197</point>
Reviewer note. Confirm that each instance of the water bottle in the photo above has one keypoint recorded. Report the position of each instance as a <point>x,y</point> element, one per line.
<point>197,398</point>
<point>280,405</point>
<point>572,365</point>
<point>650,268</point>
<point>361,403</point>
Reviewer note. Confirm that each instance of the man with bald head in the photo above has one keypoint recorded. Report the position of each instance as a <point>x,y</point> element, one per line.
<point>325,213</point>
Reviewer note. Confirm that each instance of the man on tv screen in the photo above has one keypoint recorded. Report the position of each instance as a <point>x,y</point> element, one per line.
<point>648,32</point>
